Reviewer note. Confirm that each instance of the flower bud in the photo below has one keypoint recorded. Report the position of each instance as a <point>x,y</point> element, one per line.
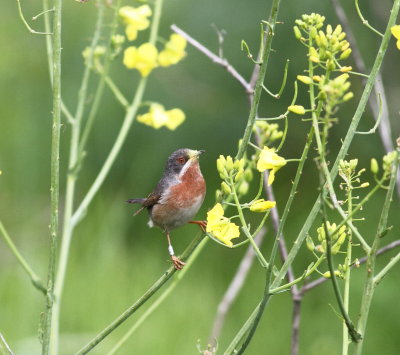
<point>297,32</point>
<point>225,188</point>
<point>304,79</point>
<point>364,185</point>
<point>239,175</point>
<point>229,164</point>
<point>345,54</point>
<point>248,174</point>
<point>374,166</point>
<point>297,109</point>
<point>345,69</point>
<point>243,188</point>
<point>310,243</point>
<point>262,205</point>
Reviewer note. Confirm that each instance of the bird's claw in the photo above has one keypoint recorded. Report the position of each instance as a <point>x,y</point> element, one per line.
<point>178,264</point>
<point>201,224</point>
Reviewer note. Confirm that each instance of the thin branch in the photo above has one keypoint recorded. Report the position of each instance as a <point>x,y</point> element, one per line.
<point>215,58</point>
<point>37,282</point>
<point>29,28</point>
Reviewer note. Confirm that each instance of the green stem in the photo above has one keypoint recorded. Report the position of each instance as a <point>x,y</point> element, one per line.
<point>355,336</point>
<point>347,273</point>
<point>55,174</point>
<point>37,282</point>
<point>266,50</point>
<point>160,299</point>
<point>345,145</point>
<point>371,281</point>
<point>70,188</point>
<point>261,258</point>
<point>148,294</point>
<point>117,93</point>
<point>29,28</point>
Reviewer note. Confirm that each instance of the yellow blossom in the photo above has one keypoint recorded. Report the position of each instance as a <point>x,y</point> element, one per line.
<point>158,117</point>
<point>297,109</point>
<point>220,227</point>
<point>269,160</point>
<point>136,19</point>
<point>262,205</point>
<point>396,33</point>
<point>173,52</point>
<point>143,58</point>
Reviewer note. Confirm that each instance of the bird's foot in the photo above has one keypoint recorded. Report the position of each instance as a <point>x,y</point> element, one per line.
<point>178,264</point>
<point>201,224</point>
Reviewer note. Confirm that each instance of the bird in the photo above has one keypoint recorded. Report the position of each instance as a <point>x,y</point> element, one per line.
<point>177,197</point>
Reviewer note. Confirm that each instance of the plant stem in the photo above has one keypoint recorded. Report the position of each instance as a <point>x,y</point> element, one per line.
<point>55,174</point>
<point>347,273</point>
<point>37,282</point>
<point>371,281</point>
<point>70,187</point>
<point>260,78</point>
<point>142,300</point>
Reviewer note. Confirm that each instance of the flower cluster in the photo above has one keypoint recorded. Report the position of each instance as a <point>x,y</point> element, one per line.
<point>234,176</point>
<point>338,237</point>
<point>221,227</point>
<point>146,57</point>
<point>325,48</point>
<point>269,160</point>
<point>158,117</point>
<point>268,133</point>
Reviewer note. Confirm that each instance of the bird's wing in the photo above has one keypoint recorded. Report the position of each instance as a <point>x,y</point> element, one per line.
<point>152,199</point>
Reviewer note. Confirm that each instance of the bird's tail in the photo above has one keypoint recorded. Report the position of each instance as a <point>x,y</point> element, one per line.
<point>137,200</point>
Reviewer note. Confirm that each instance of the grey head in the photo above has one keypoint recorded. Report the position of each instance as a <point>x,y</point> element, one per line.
<point>177,164</point>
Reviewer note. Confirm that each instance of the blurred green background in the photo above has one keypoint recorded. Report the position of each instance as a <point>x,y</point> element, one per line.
<point>116,257</point>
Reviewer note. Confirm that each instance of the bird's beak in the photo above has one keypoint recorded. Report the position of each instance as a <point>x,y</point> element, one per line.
<point>194,154</point>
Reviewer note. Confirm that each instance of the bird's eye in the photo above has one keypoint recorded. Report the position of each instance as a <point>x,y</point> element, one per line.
<point>181,160</point>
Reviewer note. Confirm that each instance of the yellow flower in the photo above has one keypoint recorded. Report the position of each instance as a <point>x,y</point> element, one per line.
<point>136,19</point>
<point>396,33</point>
<point>157,117</point>
<point>262,205</point>
<point>297,109</point>
<point>269,160</point>
<point>143,58</point>
<point>173,52</point>
<point>220,227</point>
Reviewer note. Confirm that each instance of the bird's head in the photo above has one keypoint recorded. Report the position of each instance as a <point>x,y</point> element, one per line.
<point>180,160</point>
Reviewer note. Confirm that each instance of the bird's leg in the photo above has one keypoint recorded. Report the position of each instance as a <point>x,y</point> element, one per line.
<point>178,264</point>
<point>201,224</point>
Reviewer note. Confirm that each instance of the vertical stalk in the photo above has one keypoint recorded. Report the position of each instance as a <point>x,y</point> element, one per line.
<point>70,189</point>
<point>346,291</point>
<point>55,174</point>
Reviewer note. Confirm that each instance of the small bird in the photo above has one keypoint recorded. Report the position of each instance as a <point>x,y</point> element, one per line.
<point>177,197</point>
